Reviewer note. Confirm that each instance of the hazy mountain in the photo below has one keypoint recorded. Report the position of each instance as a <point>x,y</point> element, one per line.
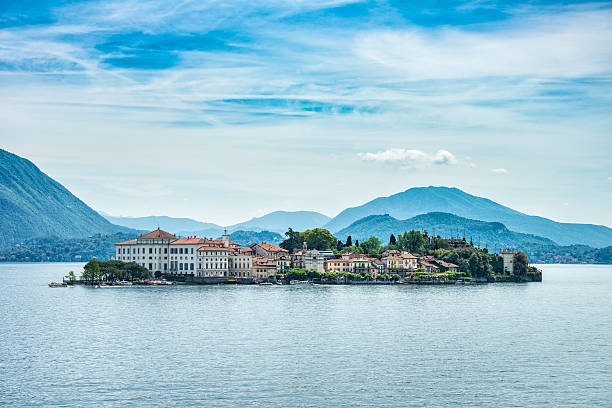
<point>280,221</point>
<point>180,226</point>
<point>32,204</point>
<point>490,233</point>
<point>246,238</point>
<point>421,200</point>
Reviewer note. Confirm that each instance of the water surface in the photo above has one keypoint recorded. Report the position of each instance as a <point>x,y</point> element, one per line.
<point>537,344</point>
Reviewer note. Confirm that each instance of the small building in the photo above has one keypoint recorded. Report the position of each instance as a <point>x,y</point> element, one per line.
<point>508,258</point>
<point>264,250</point>
<point>263,268</point>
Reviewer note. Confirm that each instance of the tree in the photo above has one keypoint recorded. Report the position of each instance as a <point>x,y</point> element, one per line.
<point>292,241</point>
<point>413,241</point>
<point>349,241</point>
<point>356,242</point>
<point>521,262</point>
<point>339,245</point>
<point>371,247</point>
<point>91,271</point>
<point>72,277</point>
<point>392,240</point>
<point>318,238</point>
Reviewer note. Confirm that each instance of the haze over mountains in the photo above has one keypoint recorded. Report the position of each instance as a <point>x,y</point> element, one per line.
<point>32,204</point>
<point>422,200</point>
<point>277,221</point>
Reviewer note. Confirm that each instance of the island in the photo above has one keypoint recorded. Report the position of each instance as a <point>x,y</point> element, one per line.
<point>413,257</point>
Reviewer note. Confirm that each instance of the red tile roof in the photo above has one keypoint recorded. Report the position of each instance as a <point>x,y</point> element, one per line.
<point>189,241</point>
<point>158,233</point>
<point>130,242</point>
<point>270,247</point>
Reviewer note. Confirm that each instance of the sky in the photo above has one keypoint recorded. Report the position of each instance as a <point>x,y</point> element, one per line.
<point>225,110</point>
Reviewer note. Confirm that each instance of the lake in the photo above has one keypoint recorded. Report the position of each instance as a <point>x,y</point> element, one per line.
<point>499,345</point>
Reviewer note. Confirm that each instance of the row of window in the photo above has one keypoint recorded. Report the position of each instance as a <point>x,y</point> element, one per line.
<point>180,250</point>
<point>137,250</point>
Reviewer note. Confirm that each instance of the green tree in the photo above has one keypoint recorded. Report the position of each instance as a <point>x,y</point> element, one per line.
<point>371,247</point>
<point>292,240</point>
<point>392,240</point>
<point>356,242</point>
<point>71,277</point>
<point>414,242</point>
<point>520,263</point>
<point>349,241</point>
<point>339,245</point>
<point>318,238</point>
<point>91,271</point>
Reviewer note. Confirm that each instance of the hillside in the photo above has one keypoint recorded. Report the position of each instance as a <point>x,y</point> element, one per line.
<point>280,221</point>
<point>32,204</point>
<point>490,233</point>
<point>422,200</point>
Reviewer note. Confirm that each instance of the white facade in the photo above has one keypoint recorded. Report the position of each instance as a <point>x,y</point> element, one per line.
<point>508,257</point>
<point>149,250</point>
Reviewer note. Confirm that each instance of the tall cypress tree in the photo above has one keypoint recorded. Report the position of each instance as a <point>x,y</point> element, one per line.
<point>349,241</point>
<point>392,240</point>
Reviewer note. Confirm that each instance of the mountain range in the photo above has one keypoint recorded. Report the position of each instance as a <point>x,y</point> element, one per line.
<point>422,200</point>
<point>490,234</point>
<point>32,204</point>
<point>277,221</point>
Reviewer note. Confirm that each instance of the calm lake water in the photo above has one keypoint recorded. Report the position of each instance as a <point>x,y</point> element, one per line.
<point>537,344</point>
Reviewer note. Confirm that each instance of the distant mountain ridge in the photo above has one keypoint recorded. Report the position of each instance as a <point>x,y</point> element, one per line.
<point>280,221</point>
<point>490,233</point>
<point>180,226</point>
<point>32,205</point>
<point>277,221</point>
<point>422,200</point>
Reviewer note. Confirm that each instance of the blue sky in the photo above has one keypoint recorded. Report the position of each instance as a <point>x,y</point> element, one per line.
<point>224,110</point>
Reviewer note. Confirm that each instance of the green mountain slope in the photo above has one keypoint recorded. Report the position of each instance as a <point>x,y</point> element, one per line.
<point>490,233</point>
<point>422,200</point>
<point>34,205</point>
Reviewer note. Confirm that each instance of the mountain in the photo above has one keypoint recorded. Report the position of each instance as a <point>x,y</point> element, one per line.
<point>180,226</point>
<point>443,224</point>
<point>422,200</point>
<point>280,221</point>
<point>246,238</point>
<point>491,234</point>
<point>32,204</point>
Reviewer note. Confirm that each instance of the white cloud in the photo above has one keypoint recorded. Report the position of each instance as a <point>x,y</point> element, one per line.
<point>610,178</point>
<point>410,158</point>
<point>500,171</point>
<point>570,44</point>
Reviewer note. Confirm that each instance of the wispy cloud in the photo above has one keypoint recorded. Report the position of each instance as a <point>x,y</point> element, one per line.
<point>500,171</point>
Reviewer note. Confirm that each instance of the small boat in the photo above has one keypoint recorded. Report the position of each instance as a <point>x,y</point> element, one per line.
<point>266,284</point>
<point>58,285</point>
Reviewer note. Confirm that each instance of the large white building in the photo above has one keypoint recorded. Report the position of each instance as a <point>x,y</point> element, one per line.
<point>149,250</point>
<point>160,251</point>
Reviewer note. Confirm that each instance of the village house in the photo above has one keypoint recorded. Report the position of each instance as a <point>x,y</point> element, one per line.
<point>400,264</point>
<point>264,250</point>
<point>264,268</point>
<point>338,266</point>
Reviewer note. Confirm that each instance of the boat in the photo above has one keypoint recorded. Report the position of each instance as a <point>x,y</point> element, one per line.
<point>58,285</point>
<point>265,284</point>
